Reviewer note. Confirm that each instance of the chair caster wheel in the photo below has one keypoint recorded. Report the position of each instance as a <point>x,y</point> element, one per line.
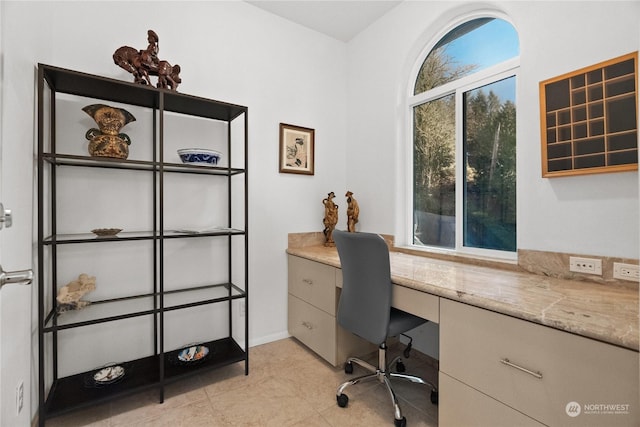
<point>400,423</point>
<point>348,368</point>
<point>400,366</point>
<point>343,400</point>
<point>434,397</point>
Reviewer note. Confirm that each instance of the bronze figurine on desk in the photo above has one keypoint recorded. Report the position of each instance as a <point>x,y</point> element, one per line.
<point>330,219</point>
<point>353,212</point>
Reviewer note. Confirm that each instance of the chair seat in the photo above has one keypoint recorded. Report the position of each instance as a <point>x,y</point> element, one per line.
<point>401,321</point>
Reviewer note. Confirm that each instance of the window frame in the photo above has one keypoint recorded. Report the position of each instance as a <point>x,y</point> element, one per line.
<point>494,73</point>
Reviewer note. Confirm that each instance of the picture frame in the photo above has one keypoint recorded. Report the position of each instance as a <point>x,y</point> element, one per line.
<point>297,145</point>
<point>588,119</point>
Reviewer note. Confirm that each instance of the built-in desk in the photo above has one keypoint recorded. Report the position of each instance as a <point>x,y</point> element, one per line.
<point>518,348</point>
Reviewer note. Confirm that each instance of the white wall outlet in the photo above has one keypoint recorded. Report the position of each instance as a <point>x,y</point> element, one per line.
<point>624,271</point>
<point>19,397</point>
<point>585,265</point>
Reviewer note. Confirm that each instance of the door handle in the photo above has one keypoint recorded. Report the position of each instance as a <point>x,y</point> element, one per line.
<point>6,220</point>
<point>24,277</point>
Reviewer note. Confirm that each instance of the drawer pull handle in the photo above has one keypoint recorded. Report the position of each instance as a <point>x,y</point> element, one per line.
<point>538,375</point>
<point>307,325</point>
<point>308,281</point>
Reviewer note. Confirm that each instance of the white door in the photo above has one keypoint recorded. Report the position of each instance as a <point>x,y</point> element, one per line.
<point>15,322</point>
<point>16,353</point>
<point>16,253</point>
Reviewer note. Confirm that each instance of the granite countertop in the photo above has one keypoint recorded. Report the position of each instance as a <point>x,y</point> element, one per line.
<point>605,313</point>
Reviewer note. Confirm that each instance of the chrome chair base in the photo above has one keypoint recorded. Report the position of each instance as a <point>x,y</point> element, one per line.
<point>383,374</point>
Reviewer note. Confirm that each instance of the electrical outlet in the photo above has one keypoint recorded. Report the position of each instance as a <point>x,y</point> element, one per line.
<point>19,397</point>
<point>623,271</point>
<point>585,265</point>
<point>242,309</point>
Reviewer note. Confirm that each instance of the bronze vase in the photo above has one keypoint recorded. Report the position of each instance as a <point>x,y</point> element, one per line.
<point>107,141</point>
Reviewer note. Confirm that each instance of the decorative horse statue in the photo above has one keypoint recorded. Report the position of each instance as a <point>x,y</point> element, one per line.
<point>168,76</point>
<point>131,60</point>
<point>145,63</point>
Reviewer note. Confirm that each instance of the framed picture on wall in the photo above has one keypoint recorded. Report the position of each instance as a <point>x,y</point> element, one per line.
<point>589,119</point>
<point>297,146</point>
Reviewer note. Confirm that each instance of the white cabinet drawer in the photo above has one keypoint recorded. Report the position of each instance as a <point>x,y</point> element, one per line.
<point>313,327</point>
<point>412,301</point>
<point>461,406</point>
<point>418,303</point>
<point>313,282</point>
<point>572,368</point>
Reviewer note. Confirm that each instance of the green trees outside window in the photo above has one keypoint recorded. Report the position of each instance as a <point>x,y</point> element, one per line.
<point>471,159</point>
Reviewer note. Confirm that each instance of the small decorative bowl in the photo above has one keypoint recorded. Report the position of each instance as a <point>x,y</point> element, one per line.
<point>199,156</point>
<point>106,232</point>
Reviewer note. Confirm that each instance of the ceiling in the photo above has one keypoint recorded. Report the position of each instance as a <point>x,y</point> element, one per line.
<point>341,19</point>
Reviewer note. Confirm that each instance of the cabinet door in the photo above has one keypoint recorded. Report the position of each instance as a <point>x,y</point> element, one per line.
<point>313,327</point>
<point>313,282</point>
<point>462,406</point>
<point>477,346</point>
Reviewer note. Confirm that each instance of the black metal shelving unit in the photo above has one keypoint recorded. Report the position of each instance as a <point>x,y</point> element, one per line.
<point>59,395</point>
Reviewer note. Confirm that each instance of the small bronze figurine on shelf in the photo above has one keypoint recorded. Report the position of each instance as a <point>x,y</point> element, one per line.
<point>353,212</point>
<point>108,141</point>
<point>145,63</point>
<point>330,219</point>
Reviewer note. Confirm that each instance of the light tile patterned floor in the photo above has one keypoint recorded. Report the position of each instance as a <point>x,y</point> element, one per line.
<point>287,385</point>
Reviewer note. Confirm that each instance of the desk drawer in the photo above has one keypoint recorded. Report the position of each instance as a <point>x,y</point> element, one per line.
<point>475,345</point>
<point>313,282</point>
<point>313,327</point>
<point>418,303</point>
<point>462,406</point>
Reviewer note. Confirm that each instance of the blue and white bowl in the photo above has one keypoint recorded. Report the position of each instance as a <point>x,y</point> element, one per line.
<point>199,156</point>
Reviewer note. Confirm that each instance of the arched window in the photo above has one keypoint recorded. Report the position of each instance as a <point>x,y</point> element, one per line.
<point>464,141</point>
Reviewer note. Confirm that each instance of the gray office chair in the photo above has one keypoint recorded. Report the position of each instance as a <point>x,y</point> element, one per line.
<point>365,310</point>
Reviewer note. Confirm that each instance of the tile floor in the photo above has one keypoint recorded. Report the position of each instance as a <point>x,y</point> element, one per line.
<point>287,385</point>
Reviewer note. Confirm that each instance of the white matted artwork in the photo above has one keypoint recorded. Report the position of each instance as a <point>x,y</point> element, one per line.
<point>296,149</point>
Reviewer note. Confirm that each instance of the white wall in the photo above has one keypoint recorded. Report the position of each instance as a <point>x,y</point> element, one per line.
<point>229,51</point>
<point>593,214</point>
<point>233,52</point>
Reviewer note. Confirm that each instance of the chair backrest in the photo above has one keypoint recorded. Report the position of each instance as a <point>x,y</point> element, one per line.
<point>365,301</point>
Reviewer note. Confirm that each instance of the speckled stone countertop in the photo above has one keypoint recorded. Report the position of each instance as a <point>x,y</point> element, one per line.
<point>605,313</point>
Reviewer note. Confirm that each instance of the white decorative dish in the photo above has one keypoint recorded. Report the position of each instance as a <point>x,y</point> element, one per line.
<point>193,353</point>
<point>199,156</point>
<point>108,374</point>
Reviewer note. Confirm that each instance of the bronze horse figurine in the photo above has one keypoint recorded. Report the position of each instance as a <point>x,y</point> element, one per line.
<point>145,63</point>
<point>168,76</point>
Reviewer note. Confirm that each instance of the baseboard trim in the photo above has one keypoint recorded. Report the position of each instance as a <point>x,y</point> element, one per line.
<point>268,338</point>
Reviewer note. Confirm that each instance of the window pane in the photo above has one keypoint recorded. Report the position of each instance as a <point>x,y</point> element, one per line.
<point>490,169</point>
<point>470,47</point>
<point>434,173</point>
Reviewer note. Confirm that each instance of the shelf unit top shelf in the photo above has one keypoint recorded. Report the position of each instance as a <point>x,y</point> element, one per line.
<point>108,89</point>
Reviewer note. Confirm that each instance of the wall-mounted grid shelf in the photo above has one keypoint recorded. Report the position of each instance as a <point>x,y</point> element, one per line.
<point>589,119</point>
